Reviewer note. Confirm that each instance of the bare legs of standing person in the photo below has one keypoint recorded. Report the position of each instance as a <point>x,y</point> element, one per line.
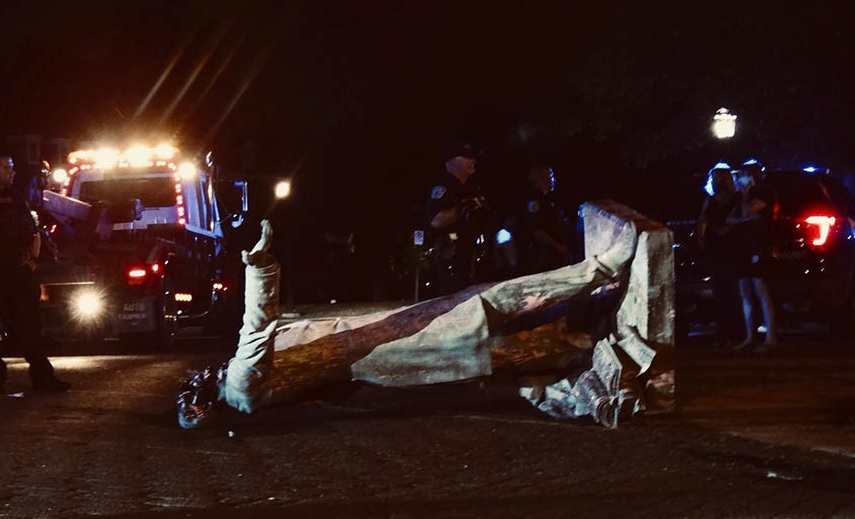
<point>750,290</point>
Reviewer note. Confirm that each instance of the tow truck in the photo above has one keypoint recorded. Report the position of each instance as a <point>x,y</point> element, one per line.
<point>140,247</point>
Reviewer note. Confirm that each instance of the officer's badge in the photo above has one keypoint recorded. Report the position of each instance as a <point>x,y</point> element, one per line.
<point>533,206</point>
<point>438,192</point>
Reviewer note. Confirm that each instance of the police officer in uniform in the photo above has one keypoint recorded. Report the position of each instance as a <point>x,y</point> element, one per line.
<point>19,289</point>
<point>548,242</point>
<point>454,218</point>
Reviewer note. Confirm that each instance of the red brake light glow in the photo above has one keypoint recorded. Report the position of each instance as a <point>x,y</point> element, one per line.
<point>136,275</point>
<point>820,226</point>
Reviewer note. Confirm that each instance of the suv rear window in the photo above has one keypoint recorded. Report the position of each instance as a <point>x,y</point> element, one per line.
<point>152,191</point>
<point>840,195</point>
<point>797,192</point>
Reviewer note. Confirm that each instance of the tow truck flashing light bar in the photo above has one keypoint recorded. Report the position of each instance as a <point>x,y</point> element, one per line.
<point>134,157</point>
<point>137,155</point>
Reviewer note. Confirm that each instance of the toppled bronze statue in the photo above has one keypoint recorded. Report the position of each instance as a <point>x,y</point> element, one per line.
<point>557,323</point>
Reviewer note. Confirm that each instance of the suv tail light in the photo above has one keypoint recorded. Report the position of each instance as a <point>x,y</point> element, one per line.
<point>819,229</point>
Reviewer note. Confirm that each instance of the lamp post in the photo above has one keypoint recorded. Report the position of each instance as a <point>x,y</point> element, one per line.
<point>724,124</point>
<point>281,191</point>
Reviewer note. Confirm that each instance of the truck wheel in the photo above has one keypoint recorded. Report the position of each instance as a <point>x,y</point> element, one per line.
<point>223,326</point>
<point>166,315</point>
<point>224,322</point>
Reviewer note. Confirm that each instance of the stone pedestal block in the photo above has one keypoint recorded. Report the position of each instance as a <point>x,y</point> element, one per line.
<point>646,313</point>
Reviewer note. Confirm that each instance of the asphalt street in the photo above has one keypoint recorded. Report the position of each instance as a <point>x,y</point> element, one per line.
<point>769,436</point>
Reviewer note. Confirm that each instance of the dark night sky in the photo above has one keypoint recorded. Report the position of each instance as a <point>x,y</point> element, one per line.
<point>356,98</point>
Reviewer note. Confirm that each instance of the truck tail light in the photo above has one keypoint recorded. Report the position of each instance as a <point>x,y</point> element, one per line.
<point>179,201</point>
<point>819,229</point>
<point>139,274</point>
<point>136,275</point>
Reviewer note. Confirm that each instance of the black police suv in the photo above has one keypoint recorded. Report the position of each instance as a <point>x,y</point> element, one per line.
<point>812,270</point>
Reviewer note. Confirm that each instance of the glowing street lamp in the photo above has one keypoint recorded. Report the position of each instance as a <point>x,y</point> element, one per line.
<point>283,189</point>
<point>724,124</point>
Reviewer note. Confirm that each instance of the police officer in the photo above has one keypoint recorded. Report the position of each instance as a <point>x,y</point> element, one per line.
<point>19,297</point>
<point>454,216</point>
<point>548,235</point>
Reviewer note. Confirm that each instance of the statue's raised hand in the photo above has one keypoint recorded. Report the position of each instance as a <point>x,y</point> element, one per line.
<point>260,256</point>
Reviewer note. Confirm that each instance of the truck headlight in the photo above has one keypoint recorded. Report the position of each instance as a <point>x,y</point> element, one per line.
<point>87,304</point>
